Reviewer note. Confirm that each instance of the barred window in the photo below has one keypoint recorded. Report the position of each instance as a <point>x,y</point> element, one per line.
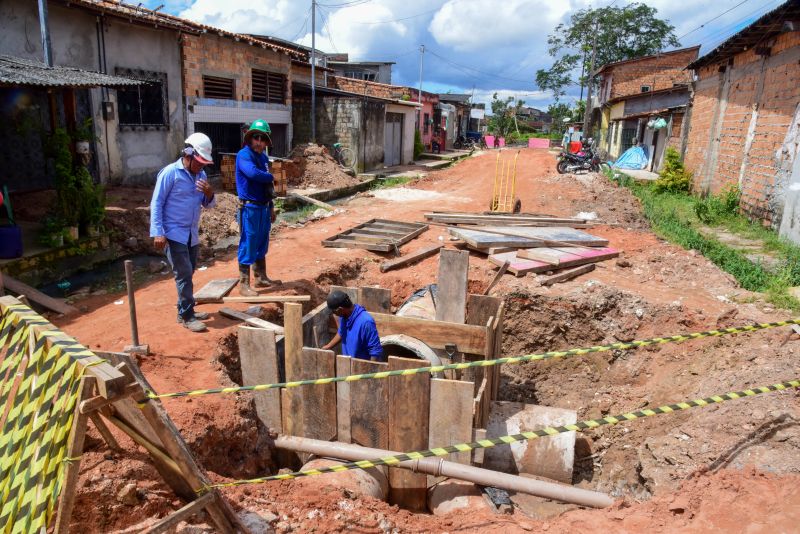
<point>146,104</point>
<point>269,87</point>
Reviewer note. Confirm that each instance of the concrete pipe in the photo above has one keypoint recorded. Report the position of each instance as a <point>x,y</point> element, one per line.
<point>364,482</point>
<point>451,495</point>
<point>439,467</point>
<point>414,345</point>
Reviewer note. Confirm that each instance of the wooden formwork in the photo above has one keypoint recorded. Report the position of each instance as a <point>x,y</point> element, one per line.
<point>398,413</point>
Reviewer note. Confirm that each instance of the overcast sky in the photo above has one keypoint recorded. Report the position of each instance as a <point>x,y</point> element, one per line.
<point>489,45</point>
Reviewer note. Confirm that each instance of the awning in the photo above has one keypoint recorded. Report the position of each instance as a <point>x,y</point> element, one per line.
<point>15,72</point>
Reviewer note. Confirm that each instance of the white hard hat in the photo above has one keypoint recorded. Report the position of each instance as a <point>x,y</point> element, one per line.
<point>202,147</point>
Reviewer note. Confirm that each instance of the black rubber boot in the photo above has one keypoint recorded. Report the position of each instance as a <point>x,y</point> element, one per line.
<point>244,282</point>
<point>260,278</point>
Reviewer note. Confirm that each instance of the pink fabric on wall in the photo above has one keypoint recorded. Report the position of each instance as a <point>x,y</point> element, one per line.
<point>489,140</point>
<point>538,143</point>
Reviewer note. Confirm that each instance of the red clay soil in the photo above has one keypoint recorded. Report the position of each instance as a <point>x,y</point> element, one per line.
<point>730,467</point>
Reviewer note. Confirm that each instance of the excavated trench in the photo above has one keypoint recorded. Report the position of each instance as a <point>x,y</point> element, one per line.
<point>631,460</point>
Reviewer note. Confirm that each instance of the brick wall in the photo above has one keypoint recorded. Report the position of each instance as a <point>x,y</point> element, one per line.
<point>378,90</point>
<point>736,136</point>
<point>209,54</point>
<point>660,72</point>
<point>674,140</point>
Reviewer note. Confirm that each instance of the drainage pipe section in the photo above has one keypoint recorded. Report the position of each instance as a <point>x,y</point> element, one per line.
<point>441,467</point>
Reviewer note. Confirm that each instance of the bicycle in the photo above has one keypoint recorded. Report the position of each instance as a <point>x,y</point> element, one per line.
<point>344,156</point>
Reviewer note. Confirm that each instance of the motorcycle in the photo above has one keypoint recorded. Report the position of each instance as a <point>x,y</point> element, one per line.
<point>586,160</point>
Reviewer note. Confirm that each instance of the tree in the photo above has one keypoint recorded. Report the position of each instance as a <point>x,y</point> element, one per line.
<point>503,113</point>
<point>618,33</point>
<point>560,111</point>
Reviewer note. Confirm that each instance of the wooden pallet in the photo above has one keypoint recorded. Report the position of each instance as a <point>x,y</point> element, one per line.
<point>378,235</point>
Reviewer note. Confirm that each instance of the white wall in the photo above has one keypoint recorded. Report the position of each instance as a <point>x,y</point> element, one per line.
<point>408,112</point>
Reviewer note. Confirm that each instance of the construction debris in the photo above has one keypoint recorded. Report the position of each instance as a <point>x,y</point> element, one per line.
<point>517,219</point>
<point>411,258</point>
<point>313,167</point>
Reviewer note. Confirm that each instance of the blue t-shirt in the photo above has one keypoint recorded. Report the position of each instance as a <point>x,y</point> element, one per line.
<point>360,335</point>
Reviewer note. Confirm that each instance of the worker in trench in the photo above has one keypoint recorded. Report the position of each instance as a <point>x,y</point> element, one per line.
<point>181,191</point>
<point>255,188</point>
<point>357,330</point>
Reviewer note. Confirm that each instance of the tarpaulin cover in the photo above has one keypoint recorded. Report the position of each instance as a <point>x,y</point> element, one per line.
<point>633,158</point>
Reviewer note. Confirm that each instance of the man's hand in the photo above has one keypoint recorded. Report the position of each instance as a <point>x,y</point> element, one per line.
<point>204,187</point>
<point>160,242</point>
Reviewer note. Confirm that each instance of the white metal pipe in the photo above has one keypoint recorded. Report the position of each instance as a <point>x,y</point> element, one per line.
<point>441,467</point>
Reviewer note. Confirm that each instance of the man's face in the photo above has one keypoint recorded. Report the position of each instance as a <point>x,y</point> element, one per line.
<point>195,166</point>
<point>259,142</point>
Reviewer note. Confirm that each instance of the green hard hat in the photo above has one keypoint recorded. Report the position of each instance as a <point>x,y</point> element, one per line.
<point>258,126</point>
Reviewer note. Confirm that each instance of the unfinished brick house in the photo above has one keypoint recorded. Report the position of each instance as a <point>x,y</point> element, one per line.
<point>745,119</point>
<point>634,94</point>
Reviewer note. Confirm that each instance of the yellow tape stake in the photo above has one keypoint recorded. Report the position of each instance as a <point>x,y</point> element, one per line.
<point>483,363</point>
<point>523,436</point>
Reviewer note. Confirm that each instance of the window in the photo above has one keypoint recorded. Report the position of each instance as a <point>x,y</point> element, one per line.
<point>425,123</point>
<point>645,88</point>
<point>218,87</point>
<point>269,87</point>
<point>146,104</point>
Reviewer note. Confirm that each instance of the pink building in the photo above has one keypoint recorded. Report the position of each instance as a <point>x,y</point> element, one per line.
<point>428,127</point>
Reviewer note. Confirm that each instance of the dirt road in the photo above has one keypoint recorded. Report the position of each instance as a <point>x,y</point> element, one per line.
<point>653,289</point>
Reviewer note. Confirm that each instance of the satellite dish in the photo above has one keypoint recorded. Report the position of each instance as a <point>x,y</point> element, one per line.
<point>566,119</point>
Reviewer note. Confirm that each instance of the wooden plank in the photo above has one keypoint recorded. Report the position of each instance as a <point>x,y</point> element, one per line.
<point>552,458</point>
<point>344,243</point>
<point>309,200</point>
<point>410,258</point>
<point>375,299</point>
<point>269,298</point>
<point>194,507</point>
<point>77,436</point>
<point>382,232</point>
<point>293,341</point>
<point>449,217</point>
<point>369,406</point>
<point>492,250</point>
<point>451,301</point>
<point>470,339</point>
<point>220,511</point>
<point>310,412</point>
<point>401,224</point>
<point>565,257</point>
<point>316,326</point>
<point>343,368</point>
<point>566,274</point>
<point>259,360</point>
<point>215,290</point>
<point>409,408</point>
<point>250,320</point>
<point>525,237</point>
<point>497,352</point>
<point>367,238</point>
<point>12,285</point>
<point>497,276</point>
<point>450,419</point>
<point>477,454</point>
<point>521,266</point>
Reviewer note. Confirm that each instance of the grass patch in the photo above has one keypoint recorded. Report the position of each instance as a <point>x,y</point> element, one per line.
<point>674,217</point>
<point>395,181</point>
<point>291,217</point>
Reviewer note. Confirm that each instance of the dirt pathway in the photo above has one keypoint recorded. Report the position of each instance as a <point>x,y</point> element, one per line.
<point>653,289</point>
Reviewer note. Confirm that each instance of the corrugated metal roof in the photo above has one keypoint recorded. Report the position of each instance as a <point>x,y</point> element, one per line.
<point>767,26</point>
<point>142,14</point>
<point>16,71</point>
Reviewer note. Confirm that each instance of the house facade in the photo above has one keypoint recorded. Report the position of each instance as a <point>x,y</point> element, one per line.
<point>137,130</point>
<point>745,116</point>
<point>371,71</point>
<point>231,80</point>
<point>643,101</point>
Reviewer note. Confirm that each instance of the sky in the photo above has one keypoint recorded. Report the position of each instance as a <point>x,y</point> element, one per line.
<point>470,45</point>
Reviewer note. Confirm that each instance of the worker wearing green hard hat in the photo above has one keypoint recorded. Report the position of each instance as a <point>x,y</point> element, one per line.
<point>255,188</point>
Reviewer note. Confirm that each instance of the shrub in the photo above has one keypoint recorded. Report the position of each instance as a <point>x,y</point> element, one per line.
<point>716,207</point>
<point>674,177</point>
<point>419,148</point>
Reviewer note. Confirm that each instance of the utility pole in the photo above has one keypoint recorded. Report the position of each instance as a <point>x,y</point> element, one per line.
<point>587,114</point>
<point>44,28</point>
<point>419,100</point>
<point>313,71</point>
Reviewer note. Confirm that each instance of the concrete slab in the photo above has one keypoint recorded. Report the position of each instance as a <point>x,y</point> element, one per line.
<point>433,164</point>
<point>639,174</point>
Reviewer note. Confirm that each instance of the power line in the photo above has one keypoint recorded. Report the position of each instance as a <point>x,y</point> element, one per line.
<point>303,27</point>
<point>479,71</point>
<point>397,20</point>
<point>327,28</point>
<point>346,4</point>
<point>722,34</point>
<point>713,19</point>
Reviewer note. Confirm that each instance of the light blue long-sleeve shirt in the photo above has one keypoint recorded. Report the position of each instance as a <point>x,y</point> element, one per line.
<point>176,204</point>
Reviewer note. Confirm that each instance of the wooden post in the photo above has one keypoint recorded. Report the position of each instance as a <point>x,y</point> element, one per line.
<point>131,302</point>
<point>259,359</point>
<point>293,330</point>
<point>451,303</point>
<point>74,451</point>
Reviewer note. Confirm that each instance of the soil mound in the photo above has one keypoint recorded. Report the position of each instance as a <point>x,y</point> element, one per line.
<point>313,167</point>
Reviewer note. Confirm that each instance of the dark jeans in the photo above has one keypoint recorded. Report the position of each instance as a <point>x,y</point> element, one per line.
<point>183,260</point>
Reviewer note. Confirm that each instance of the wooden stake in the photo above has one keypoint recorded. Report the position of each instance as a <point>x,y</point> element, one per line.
<point>105,432</point>
<point>269,298</point>
<point>498,275</point>
<point>176,517</point>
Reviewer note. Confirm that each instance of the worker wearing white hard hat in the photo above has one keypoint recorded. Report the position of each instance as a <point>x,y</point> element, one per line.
<point>181,192</point>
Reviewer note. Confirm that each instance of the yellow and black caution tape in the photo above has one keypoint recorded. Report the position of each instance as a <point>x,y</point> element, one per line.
<point>483,363</point>
<point>514,438</point>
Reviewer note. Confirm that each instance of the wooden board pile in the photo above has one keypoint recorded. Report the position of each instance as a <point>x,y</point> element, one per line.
<point>377,235</point>
<point>530,243</point>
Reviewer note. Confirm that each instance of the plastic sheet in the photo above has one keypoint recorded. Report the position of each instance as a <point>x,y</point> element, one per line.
<point>634,158</point>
